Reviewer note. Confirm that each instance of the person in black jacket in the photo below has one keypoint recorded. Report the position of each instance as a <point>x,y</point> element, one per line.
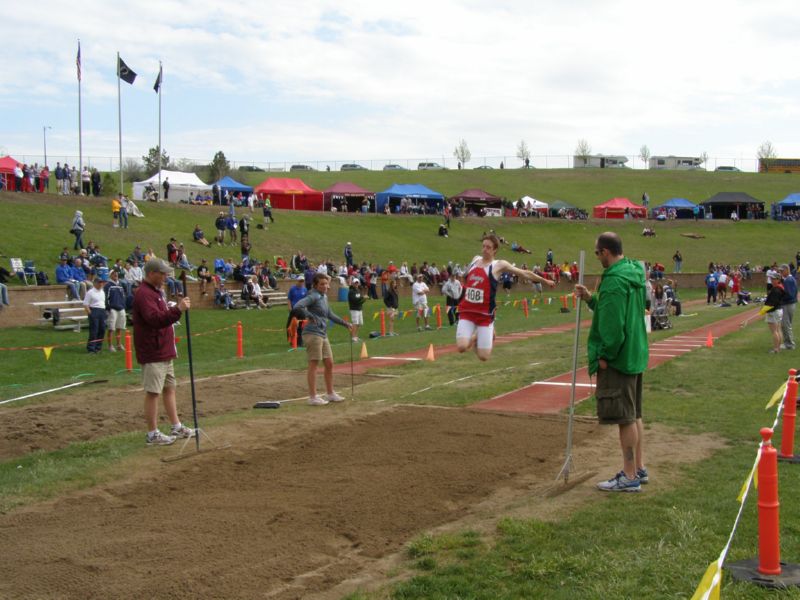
<point>356,300</point>
<point>219,223</point>
<point>392,301</point>
<point>774,313</point>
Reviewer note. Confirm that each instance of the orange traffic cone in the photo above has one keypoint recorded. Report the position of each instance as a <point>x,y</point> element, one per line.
<point>430,356</point>
<point>364,351</point>
<point>710,340</point>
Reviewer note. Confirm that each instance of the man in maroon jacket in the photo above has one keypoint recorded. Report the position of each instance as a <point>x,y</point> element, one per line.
<point>154,340</point>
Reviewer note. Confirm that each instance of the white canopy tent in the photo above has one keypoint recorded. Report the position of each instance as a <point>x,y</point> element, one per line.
<point>534,204</point>
<point>180,184</point>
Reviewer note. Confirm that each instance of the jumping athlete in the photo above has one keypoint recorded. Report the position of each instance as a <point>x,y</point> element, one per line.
<point>477,307</point>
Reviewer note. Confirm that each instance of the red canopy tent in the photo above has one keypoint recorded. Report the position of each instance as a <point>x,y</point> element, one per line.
<point>349,195</point>
<point>7,164</point>
<point>290,193</point>
<point>616,207</point>
<point>478,199</point>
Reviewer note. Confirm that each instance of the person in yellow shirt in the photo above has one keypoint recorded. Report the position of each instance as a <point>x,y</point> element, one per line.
<point>116,205</point>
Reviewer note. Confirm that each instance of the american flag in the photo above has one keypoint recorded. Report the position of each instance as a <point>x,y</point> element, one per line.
<point>78,61</point>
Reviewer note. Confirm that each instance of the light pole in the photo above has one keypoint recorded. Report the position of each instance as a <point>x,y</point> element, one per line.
<point>44,137</point>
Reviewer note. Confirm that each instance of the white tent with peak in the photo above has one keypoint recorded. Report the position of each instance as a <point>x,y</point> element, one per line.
<point>180,184</point>
<point>534,204</point>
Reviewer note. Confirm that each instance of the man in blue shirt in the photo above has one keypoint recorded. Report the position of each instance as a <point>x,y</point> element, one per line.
<point>296,293</point>
<point>711,287</point>
<point>64,274</point>
<point>788,304</point>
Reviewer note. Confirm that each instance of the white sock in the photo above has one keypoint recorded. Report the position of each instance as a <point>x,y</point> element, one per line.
<point>177,425</point>
<point>152,433</point>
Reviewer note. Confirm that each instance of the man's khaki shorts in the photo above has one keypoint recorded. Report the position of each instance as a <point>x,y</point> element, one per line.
<point>619,397</point>
<point>157,376</point>
<point>317,347</point>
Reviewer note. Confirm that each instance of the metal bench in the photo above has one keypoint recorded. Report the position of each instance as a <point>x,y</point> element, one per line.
<point>64,314</point>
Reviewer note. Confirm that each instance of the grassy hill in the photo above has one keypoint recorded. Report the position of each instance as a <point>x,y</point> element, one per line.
<point>36,226</point>
<point>582,187</point>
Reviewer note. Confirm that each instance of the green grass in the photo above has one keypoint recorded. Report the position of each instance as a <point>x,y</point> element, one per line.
<point>41,224</point>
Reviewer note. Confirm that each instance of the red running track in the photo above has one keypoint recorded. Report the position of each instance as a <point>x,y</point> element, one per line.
<point>362,366</point>
<point>552,395</point>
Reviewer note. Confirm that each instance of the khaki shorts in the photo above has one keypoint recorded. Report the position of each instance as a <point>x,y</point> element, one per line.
<point>619,397</point>
<point>317,347</point>
<point>116,320</point>
<point>157,376</point>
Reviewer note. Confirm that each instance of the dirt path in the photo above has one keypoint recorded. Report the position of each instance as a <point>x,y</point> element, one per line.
<point>311,504</point>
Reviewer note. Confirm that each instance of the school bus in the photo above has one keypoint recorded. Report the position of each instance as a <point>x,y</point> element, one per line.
<point>779,165</point>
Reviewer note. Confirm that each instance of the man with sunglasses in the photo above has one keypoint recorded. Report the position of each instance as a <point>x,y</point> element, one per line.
<point>618,354</point>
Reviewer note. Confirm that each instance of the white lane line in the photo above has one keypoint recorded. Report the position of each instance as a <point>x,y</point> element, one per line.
<point>565,383</point>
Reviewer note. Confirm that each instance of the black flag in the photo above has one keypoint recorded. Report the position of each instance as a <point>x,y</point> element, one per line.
<point>157,86</point>
<point>124,72</point>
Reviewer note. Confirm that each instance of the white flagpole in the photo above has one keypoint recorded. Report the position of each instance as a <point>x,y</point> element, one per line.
<point>160,85</point>
<point>80,120</point>
<point>119,118</point>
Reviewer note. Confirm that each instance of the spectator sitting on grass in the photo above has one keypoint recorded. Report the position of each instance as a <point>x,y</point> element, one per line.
<point>134,273</point>
<point>282,267</point>
<point>199,236</point>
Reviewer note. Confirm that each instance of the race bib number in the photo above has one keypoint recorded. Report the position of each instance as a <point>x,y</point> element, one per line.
<point>474,295</point>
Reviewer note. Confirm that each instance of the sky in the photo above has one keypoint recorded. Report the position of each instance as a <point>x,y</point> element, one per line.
<point>374,82</point>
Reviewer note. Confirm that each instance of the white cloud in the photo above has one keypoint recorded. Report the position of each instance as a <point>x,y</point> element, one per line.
<point>316,80</point>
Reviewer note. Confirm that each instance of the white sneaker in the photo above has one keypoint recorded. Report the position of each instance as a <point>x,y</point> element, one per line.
<point>182,432</point>
<point>317,401</point>
<point>111,348</point>
<point>159,439</point>
<point>334,397</point>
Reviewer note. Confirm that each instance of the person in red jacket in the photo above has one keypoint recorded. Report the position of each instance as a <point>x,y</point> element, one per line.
<point>154,340</point>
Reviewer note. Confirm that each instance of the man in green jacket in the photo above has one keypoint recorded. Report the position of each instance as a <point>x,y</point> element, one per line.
<point>618,354</point>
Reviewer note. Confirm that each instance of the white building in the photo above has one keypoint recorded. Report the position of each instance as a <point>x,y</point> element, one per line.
<point>600,161</point>
<point>689,163</point>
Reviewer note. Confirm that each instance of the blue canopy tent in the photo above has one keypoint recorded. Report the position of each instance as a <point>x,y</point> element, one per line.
<point>418,195</point>
<point>787,209</point>
<point>233,186</point>
<point>684,209</point>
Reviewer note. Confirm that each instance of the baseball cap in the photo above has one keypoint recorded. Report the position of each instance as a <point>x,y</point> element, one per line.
<point>157,265</point>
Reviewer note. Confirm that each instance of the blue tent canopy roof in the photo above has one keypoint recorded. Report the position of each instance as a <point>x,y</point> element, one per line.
<point>415,191</point>
<point>677,203</point>
<point>230,184</point>
<point>790,200</point>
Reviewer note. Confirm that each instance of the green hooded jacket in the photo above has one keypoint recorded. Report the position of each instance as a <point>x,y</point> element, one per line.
<point>618,332</point>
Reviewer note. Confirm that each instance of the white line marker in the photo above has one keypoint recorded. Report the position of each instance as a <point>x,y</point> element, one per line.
<point>63,387</point>
<point>565,383</point>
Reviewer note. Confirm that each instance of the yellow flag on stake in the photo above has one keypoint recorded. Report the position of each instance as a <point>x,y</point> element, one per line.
<point>48,350</point>
<point>709,585</point>
<point>375,316</point>
<point>776,396</point>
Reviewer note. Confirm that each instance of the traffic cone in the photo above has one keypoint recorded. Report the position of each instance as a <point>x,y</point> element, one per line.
<point>710,340</point>
<point>364,351</point>
<point>430,356</point>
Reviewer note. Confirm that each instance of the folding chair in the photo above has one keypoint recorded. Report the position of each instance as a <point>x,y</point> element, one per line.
<point>20,270</point>
<point>219,268</point>
<point>29,270</point>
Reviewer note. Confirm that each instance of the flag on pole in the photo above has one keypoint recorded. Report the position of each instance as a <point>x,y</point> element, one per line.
<point>78,61</point>
<point>124,72</point>
<point>157,86</point>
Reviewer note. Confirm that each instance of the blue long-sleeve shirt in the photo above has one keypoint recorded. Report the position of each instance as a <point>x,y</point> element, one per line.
<point>64,273</point>
<point>790,290</point>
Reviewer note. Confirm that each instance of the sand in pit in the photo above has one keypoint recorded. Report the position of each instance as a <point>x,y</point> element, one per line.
<point>293,508</point>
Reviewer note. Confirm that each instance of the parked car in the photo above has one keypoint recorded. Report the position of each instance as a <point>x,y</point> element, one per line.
<point>429,166</point>
<point>733,169</point>
<point>250,169</point>
<point>394,168</point>
<point>484,167</point>
<point>300,168</point>
<point>353,167</point>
